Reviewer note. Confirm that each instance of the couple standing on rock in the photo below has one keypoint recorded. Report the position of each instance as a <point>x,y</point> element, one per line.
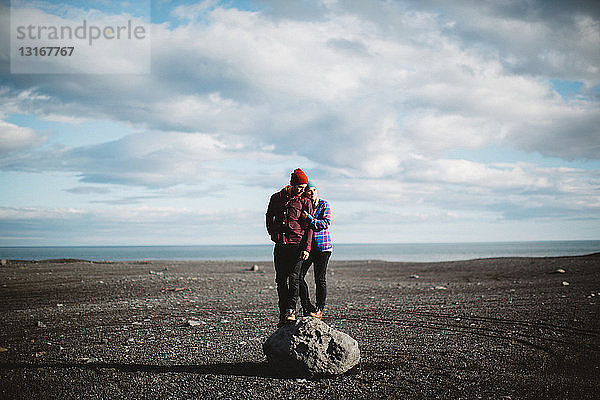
<point>298,222</point>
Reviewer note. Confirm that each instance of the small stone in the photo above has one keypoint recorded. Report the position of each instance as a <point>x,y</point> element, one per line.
<point>440,288</point>
<point>565,283</point>
<point>88,360</point>
<point>4,262</point>
<point>414,277</point>
<point>40,324</point>
<point>3,349</point>
<point>193,322</point>
<point>559,271</point>
<point>254,268</point>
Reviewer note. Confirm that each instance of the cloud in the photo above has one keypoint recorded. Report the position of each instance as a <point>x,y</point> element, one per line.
<point>470,173</point>
<point>437,187</point>
<point>548,38</point>
<point>88,190</point>
<point>15,138</point>
<point>149,159</point>
<point>514,191</point>
<point>379,83</point>
<point>306,10</point>
<point>152,159</point>
<point>371,95</point>
<point>535,38</point>
<point>193,11</point>
<point>127,224</point>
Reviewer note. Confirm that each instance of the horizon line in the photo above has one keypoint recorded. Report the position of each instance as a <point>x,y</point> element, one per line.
<point>336,244</point>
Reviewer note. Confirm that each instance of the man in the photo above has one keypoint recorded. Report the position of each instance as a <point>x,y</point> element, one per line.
<point>292,237</point>
<point>319,256</point>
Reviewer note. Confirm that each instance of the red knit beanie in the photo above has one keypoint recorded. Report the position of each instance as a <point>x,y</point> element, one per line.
<point>298,177</point>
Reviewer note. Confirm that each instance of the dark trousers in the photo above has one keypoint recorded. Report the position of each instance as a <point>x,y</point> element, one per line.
<point>287,272</point>
<point>320,259</point>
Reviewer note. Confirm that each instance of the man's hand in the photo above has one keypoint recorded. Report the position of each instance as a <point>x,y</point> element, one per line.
<point>304,215</point>
<point>304,255</point>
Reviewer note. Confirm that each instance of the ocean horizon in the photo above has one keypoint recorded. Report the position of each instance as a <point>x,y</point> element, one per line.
<point>409,252</point>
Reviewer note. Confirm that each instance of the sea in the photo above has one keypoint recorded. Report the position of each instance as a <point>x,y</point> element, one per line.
<point>409,252</point>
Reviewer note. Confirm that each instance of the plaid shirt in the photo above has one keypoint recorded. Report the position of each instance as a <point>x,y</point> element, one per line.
<point>320,225</point>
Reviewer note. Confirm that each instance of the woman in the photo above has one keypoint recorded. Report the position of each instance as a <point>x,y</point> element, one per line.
<point>319,255</point>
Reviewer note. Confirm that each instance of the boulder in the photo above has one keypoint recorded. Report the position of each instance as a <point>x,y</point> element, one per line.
<point>310,347</point>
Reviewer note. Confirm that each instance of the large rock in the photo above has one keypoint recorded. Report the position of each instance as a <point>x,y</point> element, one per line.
<point>311,347</point>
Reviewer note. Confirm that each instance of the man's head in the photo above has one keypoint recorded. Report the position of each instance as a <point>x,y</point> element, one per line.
<point>298,181</point>
<point>298,177</point>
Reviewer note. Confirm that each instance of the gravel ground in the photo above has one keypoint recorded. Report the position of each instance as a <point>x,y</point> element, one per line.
<point>510,328</point>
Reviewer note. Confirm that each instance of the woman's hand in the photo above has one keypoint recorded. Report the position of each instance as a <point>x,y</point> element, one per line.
<point>304,215</point>
<point>305,255</point>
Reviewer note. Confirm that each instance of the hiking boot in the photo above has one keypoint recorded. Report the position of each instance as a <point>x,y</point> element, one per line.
<point>290,316</point>
<point>306,313</point>
<point>318,313</point>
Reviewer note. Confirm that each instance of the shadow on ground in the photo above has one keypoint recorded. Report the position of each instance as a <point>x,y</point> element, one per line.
<point>249,369</point>
<point>256,369</point>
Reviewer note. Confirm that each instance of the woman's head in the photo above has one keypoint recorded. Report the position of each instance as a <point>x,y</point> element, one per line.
<point>311,191</point>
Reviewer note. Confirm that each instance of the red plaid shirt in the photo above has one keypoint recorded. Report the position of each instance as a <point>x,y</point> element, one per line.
<point>284,222</point>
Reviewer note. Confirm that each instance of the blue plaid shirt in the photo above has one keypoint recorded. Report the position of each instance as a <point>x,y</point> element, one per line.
<point>320,225</point>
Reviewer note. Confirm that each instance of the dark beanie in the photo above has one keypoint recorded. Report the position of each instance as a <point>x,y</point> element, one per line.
<point>298,177</point>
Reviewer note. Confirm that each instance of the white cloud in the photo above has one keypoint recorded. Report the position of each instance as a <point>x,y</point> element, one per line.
<point>153,159</point>
<point>31,213</point>
<point>378,91</point>
<point>286,82</point>
<point>373,96</point>
<point>14,137</point>
<point>84,190</point>
<point>129,224</point>
<point>476,174</point>
<point>193,11</point>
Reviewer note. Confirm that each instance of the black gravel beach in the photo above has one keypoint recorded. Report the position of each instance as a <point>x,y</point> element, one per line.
<point>507,328</point>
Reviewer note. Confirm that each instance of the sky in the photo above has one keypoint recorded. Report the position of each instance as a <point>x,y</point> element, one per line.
<point>418,121</point>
